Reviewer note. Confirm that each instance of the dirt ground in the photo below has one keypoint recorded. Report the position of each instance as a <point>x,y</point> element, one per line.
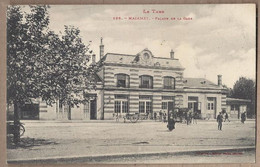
<point>56,139</point>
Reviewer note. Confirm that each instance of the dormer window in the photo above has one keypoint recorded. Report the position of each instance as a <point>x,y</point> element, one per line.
<point>122,80</point>
<point>168,83</point>
<point>157,64</point>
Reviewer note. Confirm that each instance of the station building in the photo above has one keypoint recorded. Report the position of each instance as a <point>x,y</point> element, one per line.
<point>140,83</point>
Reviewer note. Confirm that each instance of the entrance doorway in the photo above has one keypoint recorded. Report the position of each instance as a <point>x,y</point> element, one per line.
<point>194,105</point>
<point>211,107</point>
<point>93,109</point>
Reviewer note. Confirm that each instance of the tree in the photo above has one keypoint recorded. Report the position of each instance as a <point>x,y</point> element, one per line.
<point>24,52</point>
<point>43,64</point>
<point>245,88</point>
<point>67,74</point>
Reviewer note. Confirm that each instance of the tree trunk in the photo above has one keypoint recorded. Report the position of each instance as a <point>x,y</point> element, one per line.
<point>16,129</point>
<point>69,112</point>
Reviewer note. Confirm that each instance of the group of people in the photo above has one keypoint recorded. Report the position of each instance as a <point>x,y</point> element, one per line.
<point>223,117</point>
<point>162,116</point>
<point>191,117</point>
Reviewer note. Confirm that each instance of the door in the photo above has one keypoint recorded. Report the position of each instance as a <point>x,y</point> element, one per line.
<point>93,109</point>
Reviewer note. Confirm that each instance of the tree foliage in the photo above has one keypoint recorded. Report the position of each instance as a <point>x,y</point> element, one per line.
<point>244,88</point>
<point>24,51</point>
<point>43,64</point>
<point>68,73</point>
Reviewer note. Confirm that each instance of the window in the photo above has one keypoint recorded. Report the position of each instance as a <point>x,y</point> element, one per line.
<point>141,106</point>
<point>117,107</point>
<point>169,83</point>
<point>234,107</point>
<point>166,100</point>
<point>86,107</point>
<point>211,103</point>
<point>145,104</point>
<point>121,104</point>
<point>164,105</point>
<point>122,80</point>
<point>208,106</point>
<point>146,81</point>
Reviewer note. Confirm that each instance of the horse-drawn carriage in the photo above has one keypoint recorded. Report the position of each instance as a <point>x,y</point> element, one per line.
<point>132,117</point>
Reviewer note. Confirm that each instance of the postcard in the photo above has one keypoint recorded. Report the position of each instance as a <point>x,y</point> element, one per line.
<point>131,84</point>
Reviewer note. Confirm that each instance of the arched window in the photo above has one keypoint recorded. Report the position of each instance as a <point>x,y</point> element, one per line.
<point>146,81</point>
<point>122,80</point>
<point>168,82</point>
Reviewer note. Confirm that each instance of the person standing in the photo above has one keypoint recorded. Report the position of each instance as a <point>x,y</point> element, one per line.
<point>160,115</point>
<point>226,117</point>
<point>154,116</point>
<point>171,121</point>
<point>243,117</point>
<point>195,115</point>
<point>164,116</point>
<point>220,120</point>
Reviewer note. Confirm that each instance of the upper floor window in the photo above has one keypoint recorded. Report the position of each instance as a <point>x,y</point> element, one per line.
<point>146,81</point>
<point>169,83</point>
<point>122,80</point>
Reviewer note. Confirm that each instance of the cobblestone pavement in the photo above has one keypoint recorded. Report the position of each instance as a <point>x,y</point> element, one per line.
<point>45,139</point>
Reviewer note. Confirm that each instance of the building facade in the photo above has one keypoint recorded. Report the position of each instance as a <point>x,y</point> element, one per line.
<point>235,107</point>
<point>141,83</point>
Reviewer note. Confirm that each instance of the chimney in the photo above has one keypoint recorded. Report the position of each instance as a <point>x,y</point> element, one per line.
<point>172,54</point>
<point>219,80</point>
<point>93,59</point>
<point>101,49</point>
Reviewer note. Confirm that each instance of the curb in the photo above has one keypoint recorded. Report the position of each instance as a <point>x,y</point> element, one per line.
<point>99,158</point>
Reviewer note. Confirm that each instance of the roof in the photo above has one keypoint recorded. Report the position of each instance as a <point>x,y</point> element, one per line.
<point>236,100</point>
<point>116,58</point>
<point>199,83</point>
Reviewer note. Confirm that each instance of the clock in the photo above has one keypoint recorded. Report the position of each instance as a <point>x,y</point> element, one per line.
<point>146,56</point>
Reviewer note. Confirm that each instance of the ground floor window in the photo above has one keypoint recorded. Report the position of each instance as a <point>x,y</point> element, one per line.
<point>234,107</point>
<point>211,101</point>
<point>166,100</point>
<point>121,104</point>
<point>145,104</point>
<point>164,105</point>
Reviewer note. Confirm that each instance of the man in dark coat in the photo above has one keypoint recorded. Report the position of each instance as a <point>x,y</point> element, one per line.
<point>226,117</point>
<point>243,117</point>
<point>220,120</point>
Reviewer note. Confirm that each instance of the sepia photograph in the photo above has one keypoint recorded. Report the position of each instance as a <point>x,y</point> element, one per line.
<point>131,84</point>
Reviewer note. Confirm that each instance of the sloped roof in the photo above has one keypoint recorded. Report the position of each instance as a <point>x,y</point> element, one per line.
<point>199,83</point>
<point>131,60</point>
<point>236,100</point>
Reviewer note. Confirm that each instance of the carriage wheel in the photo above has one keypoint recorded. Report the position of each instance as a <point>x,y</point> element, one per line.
<point>134,118</point>
<point>22,130</point>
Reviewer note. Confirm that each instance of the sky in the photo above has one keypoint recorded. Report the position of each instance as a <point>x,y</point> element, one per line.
<point>216,39</point>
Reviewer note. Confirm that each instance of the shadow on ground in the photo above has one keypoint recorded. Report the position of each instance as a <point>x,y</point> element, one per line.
<point>28,142</point>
